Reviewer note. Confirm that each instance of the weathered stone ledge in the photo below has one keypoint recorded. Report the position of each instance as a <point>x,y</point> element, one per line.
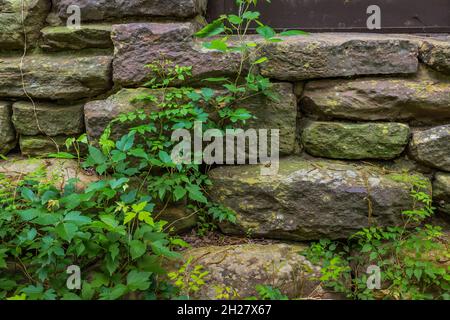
<point>139,44</point>
<point>87,36</point>
<point>337,140</point>
<point>52,119</point>
<point>42,146</point>
<point>310,200</point>
<point>328,55</point>
<point>432,147</point>
<point>243,267</point>
<point>56,76</point>
<point>11,28</point>
<point>441,191</point>
<point>421,99</point>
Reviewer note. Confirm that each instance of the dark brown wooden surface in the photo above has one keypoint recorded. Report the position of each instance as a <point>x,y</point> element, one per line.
<point>409,16</point>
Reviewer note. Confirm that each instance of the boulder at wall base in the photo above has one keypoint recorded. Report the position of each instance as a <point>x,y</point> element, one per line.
<point>139,44</point>
<point>11,27</point>
<point>47,118</point>
<point>432,147</point>
<point>310,200</point>
<point>338,140</point>
<point>94,10</point>
<point>179,218</point>
<point>56,76</point>
<point>67,38</point>
<point>441,191</point>
<point>8,138</point>
<point>56,171</point>
<point>423,98</point>
<point>243,267</point>
<point>436,54</point>
<point>42,146</point>
<point>328,55</point>
<point>99,113</point>
<point>270,114</point>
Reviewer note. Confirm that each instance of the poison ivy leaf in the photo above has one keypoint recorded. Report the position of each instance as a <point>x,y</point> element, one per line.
<point>114,293</point>
<point>261,60</point>
<point>138,280</point>
<point>96,155</point>
<point>159,248</point>
<point>66,231</point>
<point>76,218</point>
<point>165,158</point>
<point>126,142</point>
<point>266,32</point>
<point>251,15</point>
<point>129,216</point>
<point>212,29</point>
<point>234,19</point>
<point>30,214</point>
<point>28,194</point>
<point>137,249</point>
<point>179,193</point>
<point>196,194</point>
<point>289,33</point>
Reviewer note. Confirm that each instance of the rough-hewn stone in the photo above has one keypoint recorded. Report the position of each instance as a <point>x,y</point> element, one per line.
<point>41,146</point>
<point>179,218</point>
<point>243,267</point>
<point>98,114</point>
<point>87,36</point>
<point>339,140</point>
<point>94,10</point>
<point>48,119</point>
<point>424,98</point>
<point>278,114</point>
<point>56,76</point>
<point>11,27</point>
<point>436,53</point>
<point>7,134</point>
<point>139,44</point>
<point>338,55</point>
<point>441,191</point>
<point>432,147</point>
<point>310,200</point>
<point>270,114</point>
<point>57,171</point>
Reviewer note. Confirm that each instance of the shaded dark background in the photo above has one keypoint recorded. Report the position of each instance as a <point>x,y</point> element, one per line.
<point>410,16</point>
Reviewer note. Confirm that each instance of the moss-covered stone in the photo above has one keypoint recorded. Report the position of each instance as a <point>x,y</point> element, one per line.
<point>138,44</point>
<point>436,54</point>
<point>67,38</point>
<point>432,147</point>
<point>243,267</point>
<point>11,28</point>
<point>309,200</point>
<point>41,146</point>
<point>339,140</point>
<point>56,76</point>
<point>8,138</point>
<point>48,119</point>
<point>55,171</point>
<point>441,191</point>
<point>422,99</point>
<point>327,55</point>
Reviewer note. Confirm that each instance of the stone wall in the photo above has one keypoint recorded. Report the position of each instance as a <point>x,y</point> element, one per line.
<point>357,110</point>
